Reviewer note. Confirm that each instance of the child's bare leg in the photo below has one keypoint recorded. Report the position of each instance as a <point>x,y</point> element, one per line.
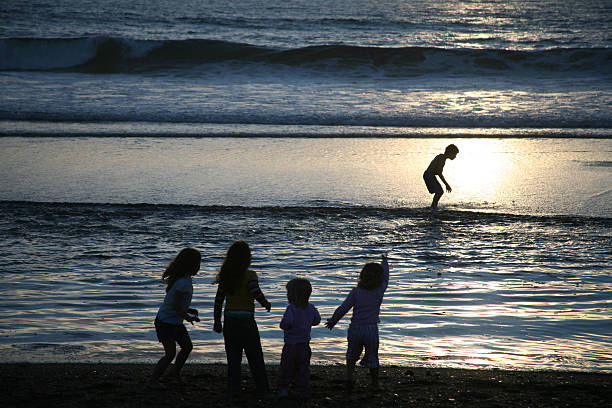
<point>164,362</point>
<point>186,347</point>
<point>436,198</point>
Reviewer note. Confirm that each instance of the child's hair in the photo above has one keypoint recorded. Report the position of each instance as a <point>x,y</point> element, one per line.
<point>298,291</point>
<point>187,262</point>
<point>371,276</point>
<point>451,149</point>
<point>234,266</point>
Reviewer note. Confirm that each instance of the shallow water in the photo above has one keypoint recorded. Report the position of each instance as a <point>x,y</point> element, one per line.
<point>512,272</point>
<point>526,176</point>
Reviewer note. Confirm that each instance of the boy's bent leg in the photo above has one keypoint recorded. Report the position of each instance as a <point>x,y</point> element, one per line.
<point>436,198</point>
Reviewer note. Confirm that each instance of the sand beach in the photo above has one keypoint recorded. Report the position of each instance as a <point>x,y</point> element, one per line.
<point>124,385</point>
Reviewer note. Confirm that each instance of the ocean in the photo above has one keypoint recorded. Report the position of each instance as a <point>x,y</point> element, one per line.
<point>132,129</point>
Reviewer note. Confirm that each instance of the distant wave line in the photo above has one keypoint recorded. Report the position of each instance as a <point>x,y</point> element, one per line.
<point>109,54</point>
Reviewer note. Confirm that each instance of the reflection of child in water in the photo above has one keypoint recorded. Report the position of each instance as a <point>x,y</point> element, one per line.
<point>435,169</point>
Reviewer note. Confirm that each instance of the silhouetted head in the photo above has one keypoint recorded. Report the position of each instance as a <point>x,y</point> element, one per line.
<point>239,255</point>
<point>298,291</point>
<point>187,262</point>
<point>236,263</point>
<point>451,151</point>
<point>371,276</point>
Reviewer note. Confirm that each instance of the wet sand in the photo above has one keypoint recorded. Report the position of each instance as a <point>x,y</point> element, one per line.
<point>124,385</point>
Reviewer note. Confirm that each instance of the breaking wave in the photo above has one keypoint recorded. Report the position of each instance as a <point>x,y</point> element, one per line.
<point>107,55</point>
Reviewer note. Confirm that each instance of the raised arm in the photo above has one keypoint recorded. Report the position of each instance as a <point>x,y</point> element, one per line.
<point>385,265</point>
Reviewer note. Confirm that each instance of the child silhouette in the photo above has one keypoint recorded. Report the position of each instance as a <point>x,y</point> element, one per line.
<point>238,287</point>
<point>365,300</point>
<point>299,317</point>
<point>174,309</point>
<point>435,169</point>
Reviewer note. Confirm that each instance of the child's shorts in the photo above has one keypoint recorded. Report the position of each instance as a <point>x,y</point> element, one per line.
<point>170,332</point>
<point>360,337</point>
<point>432,183</point>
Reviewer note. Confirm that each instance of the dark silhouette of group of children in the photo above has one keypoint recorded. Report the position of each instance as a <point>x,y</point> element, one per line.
<point>238,289</point>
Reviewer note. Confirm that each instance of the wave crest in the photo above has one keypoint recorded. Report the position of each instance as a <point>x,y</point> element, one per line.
<point>108,54</point>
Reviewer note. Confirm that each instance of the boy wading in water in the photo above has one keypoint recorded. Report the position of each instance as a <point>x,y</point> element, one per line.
<point>435,169</point>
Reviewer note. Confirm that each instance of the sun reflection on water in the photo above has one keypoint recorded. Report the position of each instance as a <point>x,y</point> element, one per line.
<point>482,169</point>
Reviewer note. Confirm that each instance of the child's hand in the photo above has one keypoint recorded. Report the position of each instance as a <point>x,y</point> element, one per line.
<point>192,319</point>
<point>218,327</point>
<point>267,305</point>
<point>329,324</point>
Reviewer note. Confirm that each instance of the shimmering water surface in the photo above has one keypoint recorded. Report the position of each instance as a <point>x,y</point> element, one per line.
<point>513,271</point>
<point>305,127</point>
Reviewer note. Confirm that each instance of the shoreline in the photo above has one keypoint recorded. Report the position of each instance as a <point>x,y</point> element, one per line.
<point>124,385</point>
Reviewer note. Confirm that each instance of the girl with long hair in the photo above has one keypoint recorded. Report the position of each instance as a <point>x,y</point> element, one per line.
<point>238,288</point>
<point>174,309</point>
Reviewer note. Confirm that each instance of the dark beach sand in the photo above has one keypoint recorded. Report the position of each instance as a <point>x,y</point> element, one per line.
<point>123,385</point>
